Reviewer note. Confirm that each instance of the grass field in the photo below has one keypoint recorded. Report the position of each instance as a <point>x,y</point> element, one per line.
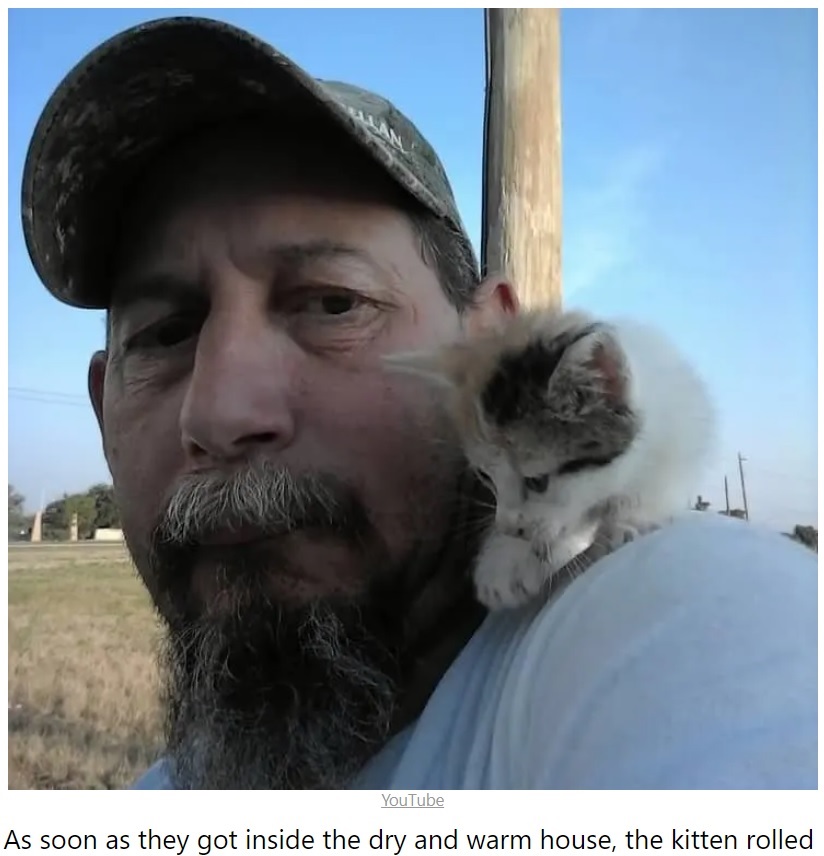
<point>83,710</point>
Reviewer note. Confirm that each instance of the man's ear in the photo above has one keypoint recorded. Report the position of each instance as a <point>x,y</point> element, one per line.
<point>97,383</point>
<point>495,302</point>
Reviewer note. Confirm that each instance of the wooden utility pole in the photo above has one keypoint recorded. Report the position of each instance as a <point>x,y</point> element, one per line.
<point>743,486</point>
<point>521,236</point>
<point>727,496</point>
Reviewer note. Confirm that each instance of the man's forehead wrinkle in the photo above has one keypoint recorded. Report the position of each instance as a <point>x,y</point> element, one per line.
<point>156,282</point>
<point>260,232</point>
<point>296,254</point>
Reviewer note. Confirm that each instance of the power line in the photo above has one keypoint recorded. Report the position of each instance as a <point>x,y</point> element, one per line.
<point>51,393</point>
<point>35,399</point>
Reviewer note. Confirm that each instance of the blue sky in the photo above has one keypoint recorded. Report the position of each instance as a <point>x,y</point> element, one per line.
<point>690,199</point>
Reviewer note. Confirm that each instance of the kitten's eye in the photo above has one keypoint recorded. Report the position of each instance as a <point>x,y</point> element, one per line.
<point>579,464</point>
<point>537,484</point>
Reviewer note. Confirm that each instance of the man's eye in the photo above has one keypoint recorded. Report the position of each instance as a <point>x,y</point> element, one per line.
<point>329,304</point>
<point>165,334</point>
<point>337,304</point>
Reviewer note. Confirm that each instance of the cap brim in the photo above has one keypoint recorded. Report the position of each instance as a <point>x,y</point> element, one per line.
<point>130,98</point>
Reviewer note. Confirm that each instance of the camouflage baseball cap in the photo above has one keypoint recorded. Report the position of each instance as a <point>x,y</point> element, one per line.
<point>145,87</point>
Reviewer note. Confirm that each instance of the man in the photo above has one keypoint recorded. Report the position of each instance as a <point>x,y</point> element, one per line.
<point>303,519</point>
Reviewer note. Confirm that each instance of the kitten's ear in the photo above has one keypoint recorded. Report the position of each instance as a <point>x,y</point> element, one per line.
<point>601,357</point>
<point>443,367</point>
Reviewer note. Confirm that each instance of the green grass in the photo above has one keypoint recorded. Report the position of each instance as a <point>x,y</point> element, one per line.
<point>83,704</point>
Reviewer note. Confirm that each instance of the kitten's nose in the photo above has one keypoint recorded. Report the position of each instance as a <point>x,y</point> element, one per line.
<point>510,523</point>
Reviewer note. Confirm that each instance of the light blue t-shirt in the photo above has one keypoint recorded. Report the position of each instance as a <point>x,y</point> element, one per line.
<point>687,659</point>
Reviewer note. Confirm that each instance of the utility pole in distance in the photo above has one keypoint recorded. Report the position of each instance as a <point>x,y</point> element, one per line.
<point>741,460</point>
<point>521,217</point>
<point>727,495</point>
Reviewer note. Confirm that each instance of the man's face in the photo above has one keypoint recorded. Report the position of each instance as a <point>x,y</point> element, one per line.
<point>277,486</point>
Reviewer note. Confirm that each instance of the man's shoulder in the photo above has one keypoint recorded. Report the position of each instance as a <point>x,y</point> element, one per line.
<point>689,637</point>
<point>705,579</point>
<point>704,536</point>
<point>699,553</point>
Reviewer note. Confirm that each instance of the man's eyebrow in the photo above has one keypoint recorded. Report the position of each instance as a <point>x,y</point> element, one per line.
<point>155,285</point>
<point>159,285</point>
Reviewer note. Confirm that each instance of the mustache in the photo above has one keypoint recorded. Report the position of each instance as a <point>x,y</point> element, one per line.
<point>262,496</point>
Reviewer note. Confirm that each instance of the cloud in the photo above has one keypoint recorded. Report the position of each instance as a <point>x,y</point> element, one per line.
<point>604,222</point>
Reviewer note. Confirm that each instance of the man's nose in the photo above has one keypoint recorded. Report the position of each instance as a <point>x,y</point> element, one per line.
<point>239,398</point>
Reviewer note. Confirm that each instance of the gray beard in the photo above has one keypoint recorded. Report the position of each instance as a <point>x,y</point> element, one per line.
<point>261,694</point>
<point>316,715</point>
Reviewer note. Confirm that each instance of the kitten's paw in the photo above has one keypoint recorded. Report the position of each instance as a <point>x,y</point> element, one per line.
<point>620,533</point>
<point>508,573</point>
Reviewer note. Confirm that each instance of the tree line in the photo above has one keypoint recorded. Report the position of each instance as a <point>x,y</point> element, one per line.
<point>95,509</point>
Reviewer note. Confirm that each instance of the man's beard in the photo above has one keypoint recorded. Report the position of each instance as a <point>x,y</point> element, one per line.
<point>262,693</point>
<point>278,699</point>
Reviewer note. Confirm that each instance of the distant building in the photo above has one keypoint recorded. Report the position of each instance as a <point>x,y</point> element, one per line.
<point>37,527</point>
<point>108,535</point>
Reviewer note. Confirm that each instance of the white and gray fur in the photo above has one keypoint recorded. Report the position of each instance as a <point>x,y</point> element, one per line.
<point>589,433</point>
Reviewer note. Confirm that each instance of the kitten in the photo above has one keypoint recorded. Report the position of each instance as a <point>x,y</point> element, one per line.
<point>588,432</point>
